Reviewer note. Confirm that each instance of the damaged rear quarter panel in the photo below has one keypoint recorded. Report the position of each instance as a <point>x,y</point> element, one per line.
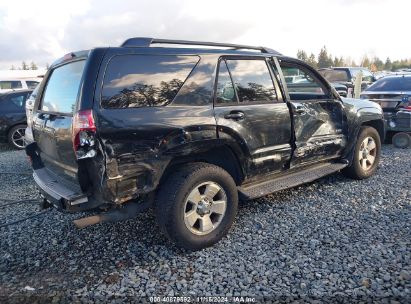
<point>137,144</point>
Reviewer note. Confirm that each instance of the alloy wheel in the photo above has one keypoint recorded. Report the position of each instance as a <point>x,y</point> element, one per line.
<point>367,153</point>
<point>204,208</point>
<point>18,139</point>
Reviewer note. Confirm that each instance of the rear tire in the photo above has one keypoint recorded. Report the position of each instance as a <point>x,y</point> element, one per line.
<point>367,154</point>
<point>16,137</point>
<point>401,140</point>
<point>196,205</point>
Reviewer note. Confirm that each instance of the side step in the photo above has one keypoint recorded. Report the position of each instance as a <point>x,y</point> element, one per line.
<point>287,181</point>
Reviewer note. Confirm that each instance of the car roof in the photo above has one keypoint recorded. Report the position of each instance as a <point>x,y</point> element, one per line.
<point>395,76</point>
<point>146,45</point>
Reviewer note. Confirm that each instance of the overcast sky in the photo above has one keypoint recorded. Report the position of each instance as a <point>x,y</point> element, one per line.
<point>43,30</point>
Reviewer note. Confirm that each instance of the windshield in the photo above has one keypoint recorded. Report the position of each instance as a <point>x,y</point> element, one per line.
<point>334,75</point>
<point>391,84</point>
<point>62,88</point>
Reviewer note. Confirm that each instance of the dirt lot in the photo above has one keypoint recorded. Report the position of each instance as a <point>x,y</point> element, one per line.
<point>332,239</point>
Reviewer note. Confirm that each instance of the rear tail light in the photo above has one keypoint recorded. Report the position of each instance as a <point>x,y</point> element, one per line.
<point>84,129</point>
<point>408,107</point>
<point>406,102</point>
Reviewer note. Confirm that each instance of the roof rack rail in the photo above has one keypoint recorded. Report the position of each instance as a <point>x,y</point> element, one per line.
<point>147,42</point>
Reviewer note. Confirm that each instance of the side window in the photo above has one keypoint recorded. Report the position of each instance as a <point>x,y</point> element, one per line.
<point>302,84</point>
<point>252,80</point>
<point>133,81</point>
<point>14,102</point>
<point>225,90</point>
<point>32,84</point>
<point>10,84</point>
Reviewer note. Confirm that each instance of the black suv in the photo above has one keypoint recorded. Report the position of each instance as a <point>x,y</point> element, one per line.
<point>190,131</point>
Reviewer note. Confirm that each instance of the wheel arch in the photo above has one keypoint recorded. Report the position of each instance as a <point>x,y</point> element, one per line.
<point>222,156</point>
<point>377,124</point>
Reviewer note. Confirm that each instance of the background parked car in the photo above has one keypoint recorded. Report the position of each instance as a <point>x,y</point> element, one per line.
<point>13,117</point>
<point>341,89</point>
<point>347,76</point>
<point>393,93</point>
<point>7,85</point>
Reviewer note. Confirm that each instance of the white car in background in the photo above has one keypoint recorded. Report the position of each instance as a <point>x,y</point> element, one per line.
<point>7,85</point>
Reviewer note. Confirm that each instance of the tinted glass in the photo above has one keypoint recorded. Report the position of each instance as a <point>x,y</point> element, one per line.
<point>334,75</point>
<point>301,83</point>
<point>134,81</point>
<point>252,81</point>
<point>13,102</point>
<point>386,84</point>
<point>32,84</point>
<point>62,88</point>
<point>10,84</point>
<point>225,89</point>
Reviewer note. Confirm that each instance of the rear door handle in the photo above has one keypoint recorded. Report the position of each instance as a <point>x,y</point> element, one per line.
<point>235,115</point>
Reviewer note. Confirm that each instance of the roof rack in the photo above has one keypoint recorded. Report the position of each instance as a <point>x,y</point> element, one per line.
<point>147,42</point>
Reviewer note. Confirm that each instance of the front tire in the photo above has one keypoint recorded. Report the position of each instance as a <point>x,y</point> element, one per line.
<point>367,154</point>
<point>197,205</point>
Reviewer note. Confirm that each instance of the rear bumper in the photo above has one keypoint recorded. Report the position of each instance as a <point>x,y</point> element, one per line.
<point>399,121</point>
<point>64,195</point>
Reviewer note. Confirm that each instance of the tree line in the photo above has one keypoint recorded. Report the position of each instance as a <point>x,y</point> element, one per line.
<point>326,60</point>
<point>25,66</point>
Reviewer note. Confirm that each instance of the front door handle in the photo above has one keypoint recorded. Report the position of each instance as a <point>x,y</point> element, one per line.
<point>235,115</point>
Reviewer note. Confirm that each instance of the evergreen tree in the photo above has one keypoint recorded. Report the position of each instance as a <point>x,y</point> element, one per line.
<point>311,61</point>
<point>302,55</point>
<point>365,61</point>
<point>324,60</point>
<point>33,66</point>
<point>378,63</point>
<point>388,64</point>
<point>24,66</point>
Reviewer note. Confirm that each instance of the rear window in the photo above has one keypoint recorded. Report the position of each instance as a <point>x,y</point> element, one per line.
<point>62,88</point>
<point>133,81</point>
<point>10,84</point>
<point>391,84</point>
<point>334,75</point>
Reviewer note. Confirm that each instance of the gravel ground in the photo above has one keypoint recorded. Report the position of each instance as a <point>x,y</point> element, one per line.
<point>333,240</point>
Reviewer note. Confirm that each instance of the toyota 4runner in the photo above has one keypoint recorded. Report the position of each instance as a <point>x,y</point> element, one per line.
<point>189,128</point>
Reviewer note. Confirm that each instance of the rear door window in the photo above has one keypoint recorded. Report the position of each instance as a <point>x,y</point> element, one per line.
<point>252,80</point>
<point>225,93</point>
<point>134,81</point>
<point>62,88</point>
